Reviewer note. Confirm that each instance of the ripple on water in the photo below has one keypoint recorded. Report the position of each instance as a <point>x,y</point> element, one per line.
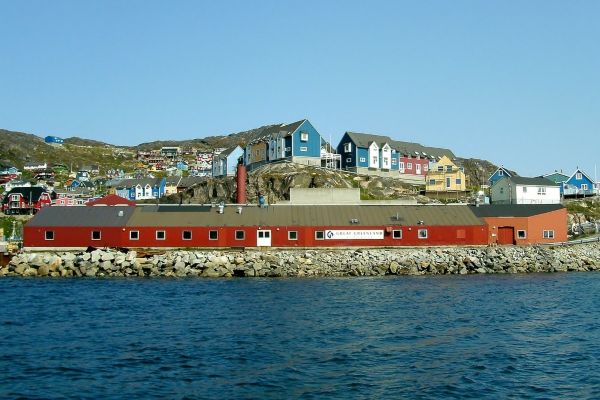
<point>427,337</point>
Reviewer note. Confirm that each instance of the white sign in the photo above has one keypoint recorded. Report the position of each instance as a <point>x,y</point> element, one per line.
<point>354,234</point>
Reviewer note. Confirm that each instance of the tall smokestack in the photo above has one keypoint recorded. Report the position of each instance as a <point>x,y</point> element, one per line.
<point>241,184</point>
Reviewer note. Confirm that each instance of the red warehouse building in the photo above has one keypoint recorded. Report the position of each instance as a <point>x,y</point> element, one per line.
<point>199,226</point>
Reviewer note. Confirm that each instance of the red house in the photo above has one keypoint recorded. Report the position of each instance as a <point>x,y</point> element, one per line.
<point>524,224</point>
<point>111,200</point>
<point>25,200</point>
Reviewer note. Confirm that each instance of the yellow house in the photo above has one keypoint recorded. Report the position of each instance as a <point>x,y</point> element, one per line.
<point>445,176</point>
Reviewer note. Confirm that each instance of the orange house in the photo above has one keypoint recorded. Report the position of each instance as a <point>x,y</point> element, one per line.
<point>524,224</point>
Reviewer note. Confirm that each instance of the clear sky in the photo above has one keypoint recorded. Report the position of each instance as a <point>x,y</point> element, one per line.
<point>513,82</point>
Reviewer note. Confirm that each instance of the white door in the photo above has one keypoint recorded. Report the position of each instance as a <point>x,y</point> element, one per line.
<point>263,238</point>
<point>418,169</point>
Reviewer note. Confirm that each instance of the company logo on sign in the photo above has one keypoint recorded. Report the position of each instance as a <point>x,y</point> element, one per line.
<point>354,234</point>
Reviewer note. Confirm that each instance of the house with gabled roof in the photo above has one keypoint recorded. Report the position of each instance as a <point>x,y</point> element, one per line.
<point>557,177</point>
<point>225,164</point>
<point>500,173</point>
<point>140,189</point>
<point>380,155</point>
<point>25,200</point>
<point>297,142</point>
<point>578,184</point>
<point>522,190</point>
<point>445,176</point>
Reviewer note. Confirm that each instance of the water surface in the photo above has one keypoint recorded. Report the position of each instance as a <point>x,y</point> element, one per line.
<point>501,336</point>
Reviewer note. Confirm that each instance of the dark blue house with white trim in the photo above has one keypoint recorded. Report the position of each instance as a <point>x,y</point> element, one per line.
<point>500,173</point>
<point>579,184</point>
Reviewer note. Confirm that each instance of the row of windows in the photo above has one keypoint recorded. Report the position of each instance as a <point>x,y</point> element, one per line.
<point>547,234</point>
<point>239,235</point>
<point>432,182</point>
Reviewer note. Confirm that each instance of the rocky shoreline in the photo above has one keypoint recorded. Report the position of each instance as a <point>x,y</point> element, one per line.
<point>307,263</point>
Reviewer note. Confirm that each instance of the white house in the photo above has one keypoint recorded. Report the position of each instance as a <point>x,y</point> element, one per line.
<point>520,190</point>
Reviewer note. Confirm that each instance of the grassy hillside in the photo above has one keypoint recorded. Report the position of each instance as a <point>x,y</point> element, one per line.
<point>17,148</point>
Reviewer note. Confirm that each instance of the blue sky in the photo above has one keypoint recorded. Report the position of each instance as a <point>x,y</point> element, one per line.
<point>513,82</point>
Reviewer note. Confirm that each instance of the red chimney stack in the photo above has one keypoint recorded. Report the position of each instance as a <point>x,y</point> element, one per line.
<point>241,184</point>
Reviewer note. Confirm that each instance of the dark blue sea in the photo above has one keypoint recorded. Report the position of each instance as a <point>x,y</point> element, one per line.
<point>501,336</point>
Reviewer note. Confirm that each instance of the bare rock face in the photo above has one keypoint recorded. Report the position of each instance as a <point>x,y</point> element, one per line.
<point>274,181</point>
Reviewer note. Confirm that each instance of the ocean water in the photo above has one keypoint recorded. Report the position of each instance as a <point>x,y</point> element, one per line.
<point>501,336</point>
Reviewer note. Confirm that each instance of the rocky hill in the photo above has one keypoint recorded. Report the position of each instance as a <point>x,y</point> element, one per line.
<point>18,148</point>
<point>275,180</point>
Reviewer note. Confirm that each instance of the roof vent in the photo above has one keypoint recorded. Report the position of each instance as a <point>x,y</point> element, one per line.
<point>239,210</point>
<point>120,213</point>
<point>354,221</point>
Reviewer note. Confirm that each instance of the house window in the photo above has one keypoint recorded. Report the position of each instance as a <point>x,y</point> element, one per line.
<point>363,159</point>
<point>96,235</point>
<point>319,235</point>
<point>397,234</point>
<point>386,162</point>
<point>458,181</point>
<point>288,149</point>
<point>432,182</point>
<point>292,235</point>
<point>425,167</point>
<point>49,235</point>
<point>525,189</point>
<point>213,235</point>
<point>578,176</point>
<point>14,197</point>
<point>521,234</point>
<point>375,160</point>
<point>303,148</point>
<point>347,147</point>
<point>161,235</point>
<point>441,168</point>
<point>541,191</point>
<point>422,234</point>
<point>448,168</point>
<point>304,136</point>
<point>548,234</point>
<point>240,235</point>
<point>134,235</point>
<point>584,186</point>
<point>500,173</point>
<point>394,161</point>
<point>348,160</point>
<point>186,235</point>
<point>501,190</point>
<point>409,165</point>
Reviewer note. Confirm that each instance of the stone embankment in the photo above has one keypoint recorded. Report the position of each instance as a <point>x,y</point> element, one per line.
<point>307,263</point>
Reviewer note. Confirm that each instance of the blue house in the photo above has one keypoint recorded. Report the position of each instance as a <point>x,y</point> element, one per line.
<point>182,165</point>
<point>297,142</point>
<point>578,184</point>
<point>225,164</point>
<point>53,140</point>
<point>141,189</point>
<point>82,184</point>
<point>500,173</point>
<point>8,169</point>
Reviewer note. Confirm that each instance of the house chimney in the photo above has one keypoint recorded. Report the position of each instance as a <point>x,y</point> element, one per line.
<point>241,184</point>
